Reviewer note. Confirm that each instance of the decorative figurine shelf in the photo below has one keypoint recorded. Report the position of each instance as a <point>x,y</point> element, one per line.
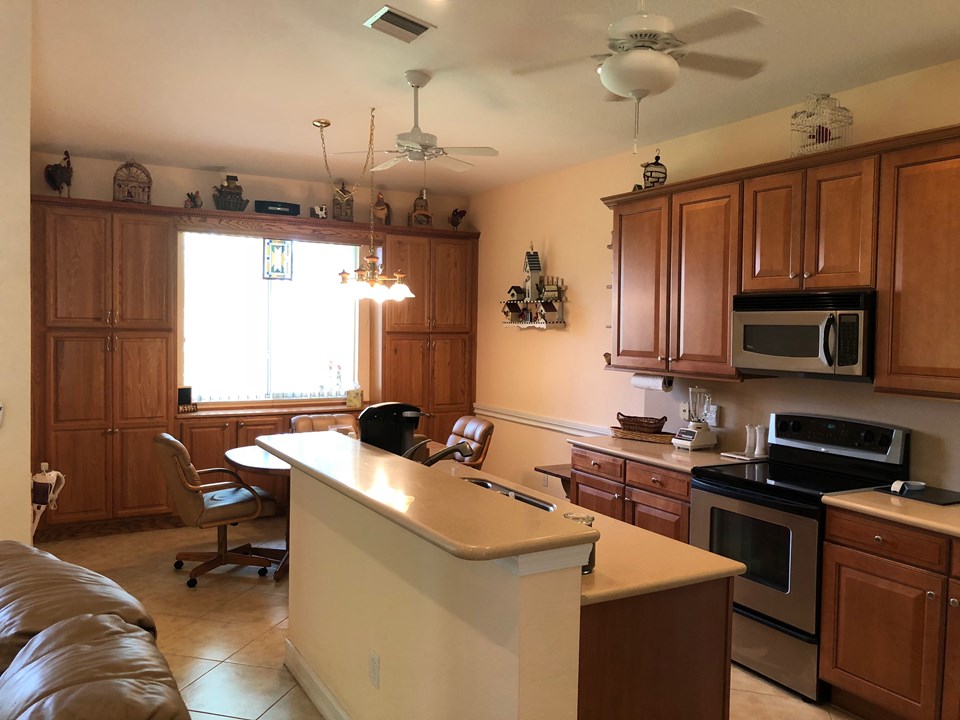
<point>539,303</point>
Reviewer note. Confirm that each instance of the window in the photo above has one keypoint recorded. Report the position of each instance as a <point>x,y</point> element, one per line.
<point>246,338</point>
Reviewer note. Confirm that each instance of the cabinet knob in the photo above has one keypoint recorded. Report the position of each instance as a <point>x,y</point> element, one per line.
<point>877,539</point>
<point>594,463</point>
<point>242,423</point>
<point>655,480</point>
<point>659,358</point>
<point>931,594</point>
<point>670,359</point>
<point>793,276</point>
<point>954,602</point>
<point>226,425</point>
<point>616,496</point>
<point>807,274</point>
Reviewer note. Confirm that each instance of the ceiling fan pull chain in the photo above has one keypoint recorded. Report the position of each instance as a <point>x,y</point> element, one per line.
<point>636,125</point>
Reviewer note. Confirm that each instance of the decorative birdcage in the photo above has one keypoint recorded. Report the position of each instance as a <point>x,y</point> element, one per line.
<point>823,124</point>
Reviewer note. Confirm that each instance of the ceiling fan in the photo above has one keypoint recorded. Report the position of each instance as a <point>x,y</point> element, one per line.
<point>419,146</point>
<point>647,51</point>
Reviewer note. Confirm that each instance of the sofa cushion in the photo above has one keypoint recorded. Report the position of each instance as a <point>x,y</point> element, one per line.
<point>37,590</point>
<point>91,666</point>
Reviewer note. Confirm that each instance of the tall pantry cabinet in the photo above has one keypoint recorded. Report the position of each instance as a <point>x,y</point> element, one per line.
<point>428,340</point>
<point>104,285</point>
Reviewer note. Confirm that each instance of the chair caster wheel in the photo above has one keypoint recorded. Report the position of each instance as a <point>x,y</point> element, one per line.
<point>262,572</point>
<point>192,583</point>
<point>178,565</point>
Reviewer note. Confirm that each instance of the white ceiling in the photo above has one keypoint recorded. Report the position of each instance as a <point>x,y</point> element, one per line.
<point>232,85</point>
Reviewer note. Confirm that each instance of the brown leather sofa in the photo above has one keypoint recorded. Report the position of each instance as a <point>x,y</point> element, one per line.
<point>74,644</point>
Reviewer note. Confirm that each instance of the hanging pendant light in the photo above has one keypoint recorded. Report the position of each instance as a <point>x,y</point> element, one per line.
<point>368,281</point>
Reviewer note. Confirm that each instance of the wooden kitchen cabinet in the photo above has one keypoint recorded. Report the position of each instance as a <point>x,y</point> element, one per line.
<point>811,229</point>
<point>433,373</point>
<point>597,494</point>
<point>106,269</point>
<point>107,396</point>
<point>704,267</point>
<point>441,273</point>
<point>951,658</point>
<point>641,279</point>
<point>882,621</point>
<point>918,296</point>
<point>675,272</point>
<point>658,500</point>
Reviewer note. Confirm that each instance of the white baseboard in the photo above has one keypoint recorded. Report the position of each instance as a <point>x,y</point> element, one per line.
<point>313,686</point>
<point>567,427</point>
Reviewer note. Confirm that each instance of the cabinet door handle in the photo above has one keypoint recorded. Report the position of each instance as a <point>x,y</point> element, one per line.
<point>226,425</point>
<point>594,463</point>
<point>670,359</point>
<point>242,424</point>
<point>807,274</point>
<point>106,344</point>
<point>954,602</point>
<point>659,358</point>
<point>793,276</point>
<point>655,480</point>
<point>109,430</point>
<point>116,317</point>
<point>931,595</point>
<point>616,496</point>
<point>878,539</point>
<point>109,316</point>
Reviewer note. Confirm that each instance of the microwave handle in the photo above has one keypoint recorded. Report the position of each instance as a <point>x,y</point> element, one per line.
<point>831,322</point>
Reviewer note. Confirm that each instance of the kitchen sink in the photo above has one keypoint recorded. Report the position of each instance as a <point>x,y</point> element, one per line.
<point>511,493</point>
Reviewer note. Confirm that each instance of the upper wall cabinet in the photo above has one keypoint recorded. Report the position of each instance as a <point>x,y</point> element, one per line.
<point>441,273</point>
<point>812,229</point>
<point>106,269</point>
<point>918,266</point>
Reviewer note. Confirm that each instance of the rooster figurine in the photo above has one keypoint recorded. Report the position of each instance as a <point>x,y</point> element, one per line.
<point>456,216</point>
<point>59,174</point>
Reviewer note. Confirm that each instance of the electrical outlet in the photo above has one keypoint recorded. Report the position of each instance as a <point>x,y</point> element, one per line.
<point>712,415</point>
<point>375,669</point>
<point>684,411</point>
<point>546,481</point>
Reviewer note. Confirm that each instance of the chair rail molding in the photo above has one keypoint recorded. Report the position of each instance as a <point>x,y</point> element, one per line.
<point>559,425</point>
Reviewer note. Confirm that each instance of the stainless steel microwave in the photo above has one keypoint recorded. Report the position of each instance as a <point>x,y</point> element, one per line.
<point>820,333</point>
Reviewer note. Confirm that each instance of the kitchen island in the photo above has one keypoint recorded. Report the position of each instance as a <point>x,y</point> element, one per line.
<point>414,593</point>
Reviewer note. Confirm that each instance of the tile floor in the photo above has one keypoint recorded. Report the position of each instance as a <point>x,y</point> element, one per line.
<point>224,639</point>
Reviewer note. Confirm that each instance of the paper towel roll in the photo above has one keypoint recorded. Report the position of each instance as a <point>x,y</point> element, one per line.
<point>651,382</point>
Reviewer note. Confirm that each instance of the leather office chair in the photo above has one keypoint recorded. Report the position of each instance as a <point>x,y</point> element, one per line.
<point>314,423</point>
<point>477,433</point>
<point>213,504</point>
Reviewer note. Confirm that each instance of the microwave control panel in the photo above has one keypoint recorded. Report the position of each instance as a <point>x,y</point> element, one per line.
<point>848,339</point>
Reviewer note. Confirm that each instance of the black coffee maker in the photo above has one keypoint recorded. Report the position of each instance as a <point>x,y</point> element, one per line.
<point>389,426</point>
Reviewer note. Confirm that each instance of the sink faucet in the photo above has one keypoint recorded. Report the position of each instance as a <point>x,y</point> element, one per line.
<point>462,447</point>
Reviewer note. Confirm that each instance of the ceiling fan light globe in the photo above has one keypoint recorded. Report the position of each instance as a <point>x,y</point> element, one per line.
<point>639,73</point>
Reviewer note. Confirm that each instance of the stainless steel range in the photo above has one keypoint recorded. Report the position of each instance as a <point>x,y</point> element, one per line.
<point>769,515</point>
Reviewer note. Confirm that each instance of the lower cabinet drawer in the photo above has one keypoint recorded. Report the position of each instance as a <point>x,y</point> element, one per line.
<point>664,482</point>
<point>889,539</point>
<point>597,494</point>
<point>597,463</point>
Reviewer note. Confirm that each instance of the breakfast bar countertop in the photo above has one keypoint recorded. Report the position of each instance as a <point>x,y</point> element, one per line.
<point>662,455</point>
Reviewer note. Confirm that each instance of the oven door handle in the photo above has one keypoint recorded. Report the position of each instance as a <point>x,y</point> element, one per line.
<point>774,503</point>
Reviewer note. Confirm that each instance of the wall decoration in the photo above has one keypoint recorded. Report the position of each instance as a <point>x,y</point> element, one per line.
<point>229,195</point>
<point>132,183</point>
<point>421,215</point>
<point>277,259</point>
<point>319,212</point>
<point>59,175</point>
<point>539,302</point>
<point>456,216</point>
<point>823,124</point>
<point>342,203</point>
<point>381,210</point>
<point>193,200</point>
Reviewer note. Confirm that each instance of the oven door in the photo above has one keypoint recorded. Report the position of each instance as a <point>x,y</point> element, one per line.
<point>777,540</point>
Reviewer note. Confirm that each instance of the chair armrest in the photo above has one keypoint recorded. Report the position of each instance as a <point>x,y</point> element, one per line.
<point>227,484</point>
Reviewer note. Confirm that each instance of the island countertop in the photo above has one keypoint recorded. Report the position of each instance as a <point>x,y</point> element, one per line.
<point>474,523</point>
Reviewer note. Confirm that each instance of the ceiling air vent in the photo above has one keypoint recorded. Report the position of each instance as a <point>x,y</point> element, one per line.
<point>398,24</point>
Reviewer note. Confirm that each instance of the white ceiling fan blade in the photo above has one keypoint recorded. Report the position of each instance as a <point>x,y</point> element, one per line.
<point>362,152</point>
<point>726,22</point>
<point>720,64</point>
<point>486,151</point>
<point>388,164</point>
<point>409,144</point>
<point>451,163</point>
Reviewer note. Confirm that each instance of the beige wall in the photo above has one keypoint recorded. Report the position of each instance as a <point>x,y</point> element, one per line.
<point>559,374</point>
<point>93,179</point>
<point>15,468</point>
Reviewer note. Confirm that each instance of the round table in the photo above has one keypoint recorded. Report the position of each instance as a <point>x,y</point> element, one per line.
<point>255,459</point>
